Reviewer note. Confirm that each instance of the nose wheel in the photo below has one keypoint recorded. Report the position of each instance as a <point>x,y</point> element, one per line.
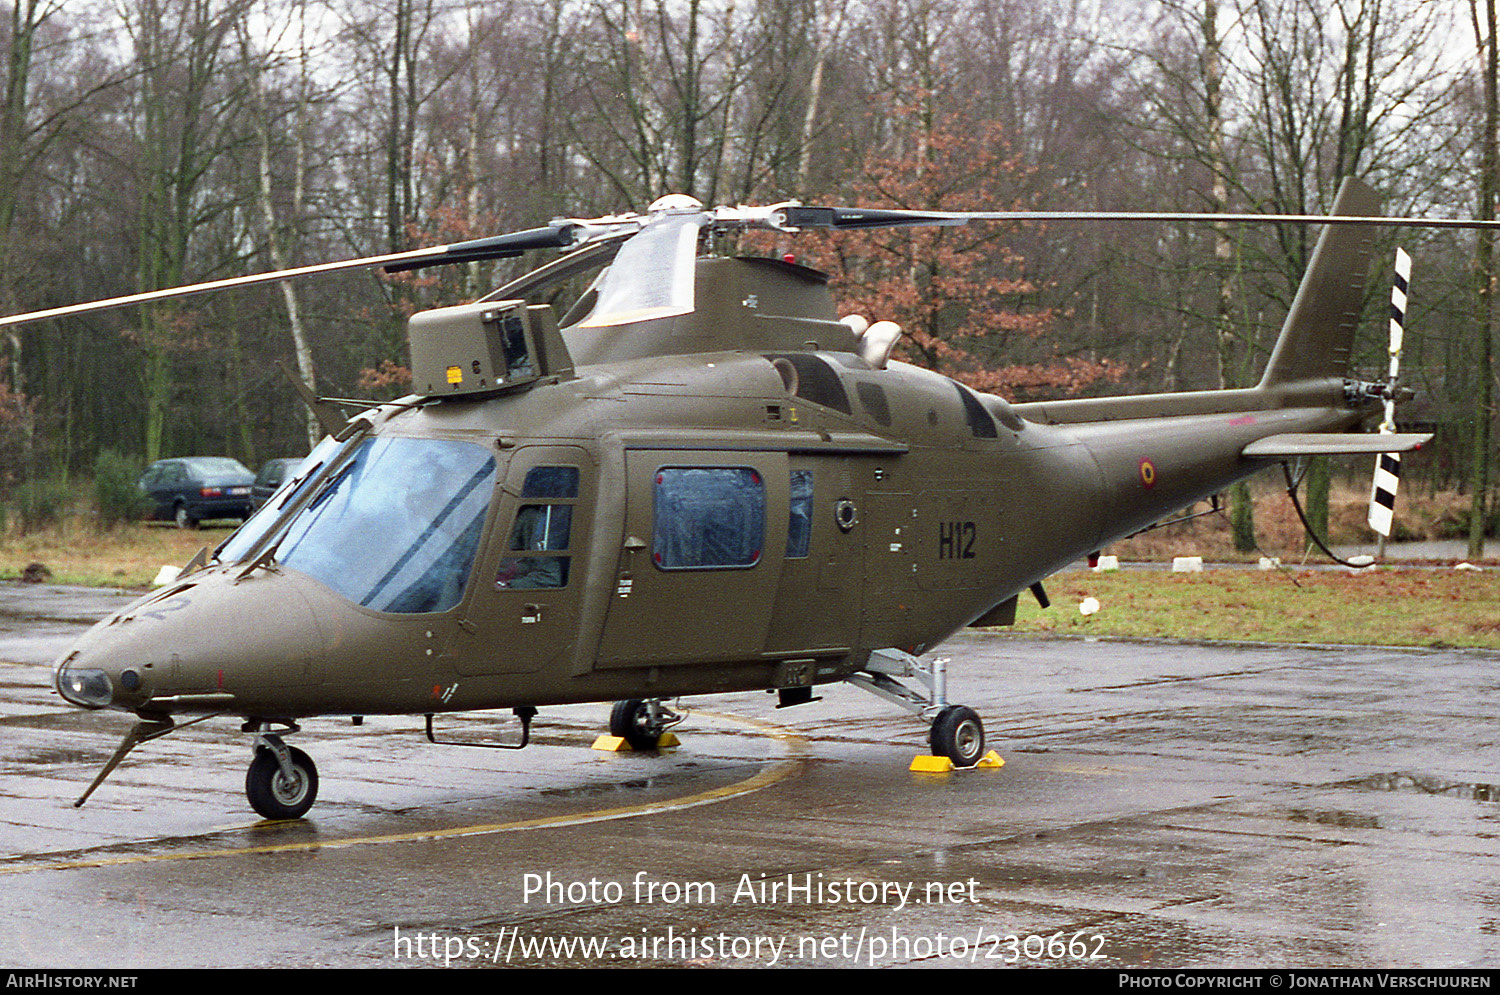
<point>282,782</point>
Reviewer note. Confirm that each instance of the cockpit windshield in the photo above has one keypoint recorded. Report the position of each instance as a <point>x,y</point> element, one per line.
<point>245,539</point>
<point>397,529</point>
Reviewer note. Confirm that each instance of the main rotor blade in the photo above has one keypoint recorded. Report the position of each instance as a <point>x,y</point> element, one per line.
<point>856,217</point>
<point>859,217</point>
<point>496,247</point>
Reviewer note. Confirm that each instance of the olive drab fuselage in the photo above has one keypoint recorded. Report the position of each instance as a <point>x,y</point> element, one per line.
<point>871,507</point>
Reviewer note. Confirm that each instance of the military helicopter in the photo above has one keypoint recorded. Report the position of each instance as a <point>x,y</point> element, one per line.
<point>697,480</point>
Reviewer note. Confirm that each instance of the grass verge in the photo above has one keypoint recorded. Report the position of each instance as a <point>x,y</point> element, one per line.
<point>125,556</point>
<point>1385,607</point>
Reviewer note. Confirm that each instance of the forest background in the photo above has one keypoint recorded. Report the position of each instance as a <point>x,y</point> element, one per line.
<point>158,142</point>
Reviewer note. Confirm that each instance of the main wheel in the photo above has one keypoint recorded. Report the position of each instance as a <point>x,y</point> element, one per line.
<point>631,721</point>
<point>272,793</point>
<point>958,735</point>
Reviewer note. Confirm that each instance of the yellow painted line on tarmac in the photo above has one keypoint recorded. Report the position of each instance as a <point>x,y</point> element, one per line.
<point>777,772</point>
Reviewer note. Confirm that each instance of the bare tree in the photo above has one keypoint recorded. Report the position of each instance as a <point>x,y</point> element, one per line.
<point>186,103</point>
<point>660,81</point>
<point>277,233</point>
<point>34,115</point>
<point>1485,280</point>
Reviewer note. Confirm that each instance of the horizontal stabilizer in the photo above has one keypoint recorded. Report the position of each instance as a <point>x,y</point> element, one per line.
<point>1325,444</point>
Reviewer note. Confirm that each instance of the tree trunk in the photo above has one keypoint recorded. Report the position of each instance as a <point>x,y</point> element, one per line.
<point>277,249</point>
<point>1485,277</point>
<point>1242,515</point>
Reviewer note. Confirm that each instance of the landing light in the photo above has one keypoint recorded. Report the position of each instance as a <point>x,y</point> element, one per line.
<point>88,688</point>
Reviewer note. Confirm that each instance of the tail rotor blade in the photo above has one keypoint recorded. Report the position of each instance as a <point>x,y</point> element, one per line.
<point>1383,492</point>
<point>1388,465</point>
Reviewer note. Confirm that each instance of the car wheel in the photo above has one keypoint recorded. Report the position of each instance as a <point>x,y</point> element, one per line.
<point>183,518</point>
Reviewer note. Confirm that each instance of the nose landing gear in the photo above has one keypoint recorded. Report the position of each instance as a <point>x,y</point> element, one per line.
<point>958,735</point>
<point>282,782</point>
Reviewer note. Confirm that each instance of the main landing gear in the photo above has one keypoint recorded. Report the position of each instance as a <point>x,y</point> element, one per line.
<point>955,732</point>
<point>641,722</point>
<point>282,782</point>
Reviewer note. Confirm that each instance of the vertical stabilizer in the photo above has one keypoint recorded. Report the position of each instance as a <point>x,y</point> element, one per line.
<point>1319,332</point>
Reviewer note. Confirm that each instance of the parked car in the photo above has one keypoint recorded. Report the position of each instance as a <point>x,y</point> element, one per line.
<point>193,488</point>
<point>273,473</point>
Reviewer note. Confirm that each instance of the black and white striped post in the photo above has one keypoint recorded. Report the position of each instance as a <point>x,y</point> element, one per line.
<point>1388,465</point>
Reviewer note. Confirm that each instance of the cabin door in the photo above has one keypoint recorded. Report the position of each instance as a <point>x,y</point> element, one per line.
<point>699,558</point>
<point>524,615</point>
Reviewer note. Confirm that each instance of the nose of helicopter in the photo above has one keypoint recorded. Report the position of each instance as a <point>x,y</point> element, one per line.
<point>207,644</point>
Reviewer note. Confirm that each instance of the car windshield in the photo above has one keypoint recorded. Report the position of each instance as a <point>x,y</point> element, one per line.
<point>396,530</point>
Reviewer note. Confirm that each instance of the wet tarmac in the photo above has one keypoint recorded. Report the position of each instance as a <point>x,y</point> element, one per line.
<point>1162,805</point>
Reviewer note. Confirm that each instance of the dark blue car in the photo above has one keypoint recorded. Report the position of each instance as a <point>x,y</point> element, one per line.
<point>272,475</point>
<point>193,488</point>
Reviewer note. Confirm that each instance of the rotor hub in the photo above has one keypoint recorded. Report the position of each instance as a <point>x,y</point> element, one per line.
<point>676,203</point>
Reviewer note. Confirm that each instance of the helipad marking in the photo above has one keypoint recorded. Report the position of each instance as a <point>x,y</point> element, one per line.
<point>779,771</point>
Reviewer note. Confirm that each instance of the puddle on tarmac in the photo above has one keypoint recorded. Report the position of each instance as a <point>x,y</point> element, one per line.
<point>1424,784</point>
<point>55,756</point>
<point>589,790</point>
<point>1334,817</point>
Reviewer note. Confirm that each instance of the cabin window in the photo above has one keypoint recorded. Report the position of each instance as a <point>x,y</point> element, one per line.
<point>799,525</point>
<point>542,533</point>
<point>711,517</point>
<point>980,423</point>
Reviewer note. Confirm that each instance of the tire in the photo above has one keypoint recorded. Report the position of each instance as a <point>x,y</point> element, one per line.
<point>631,721</point>
<point>183,518</point>
<point>272,794</point>
<point>958,735</point>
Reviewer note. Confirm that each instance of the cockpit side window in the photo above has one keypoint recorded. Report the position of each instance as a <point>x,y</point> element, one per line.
<point>799,524</point>
<point>542,532</point>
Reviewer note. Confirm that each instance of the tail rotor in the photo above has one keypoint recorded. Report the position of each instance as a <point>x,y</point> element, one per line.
<point>1388,465</point>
